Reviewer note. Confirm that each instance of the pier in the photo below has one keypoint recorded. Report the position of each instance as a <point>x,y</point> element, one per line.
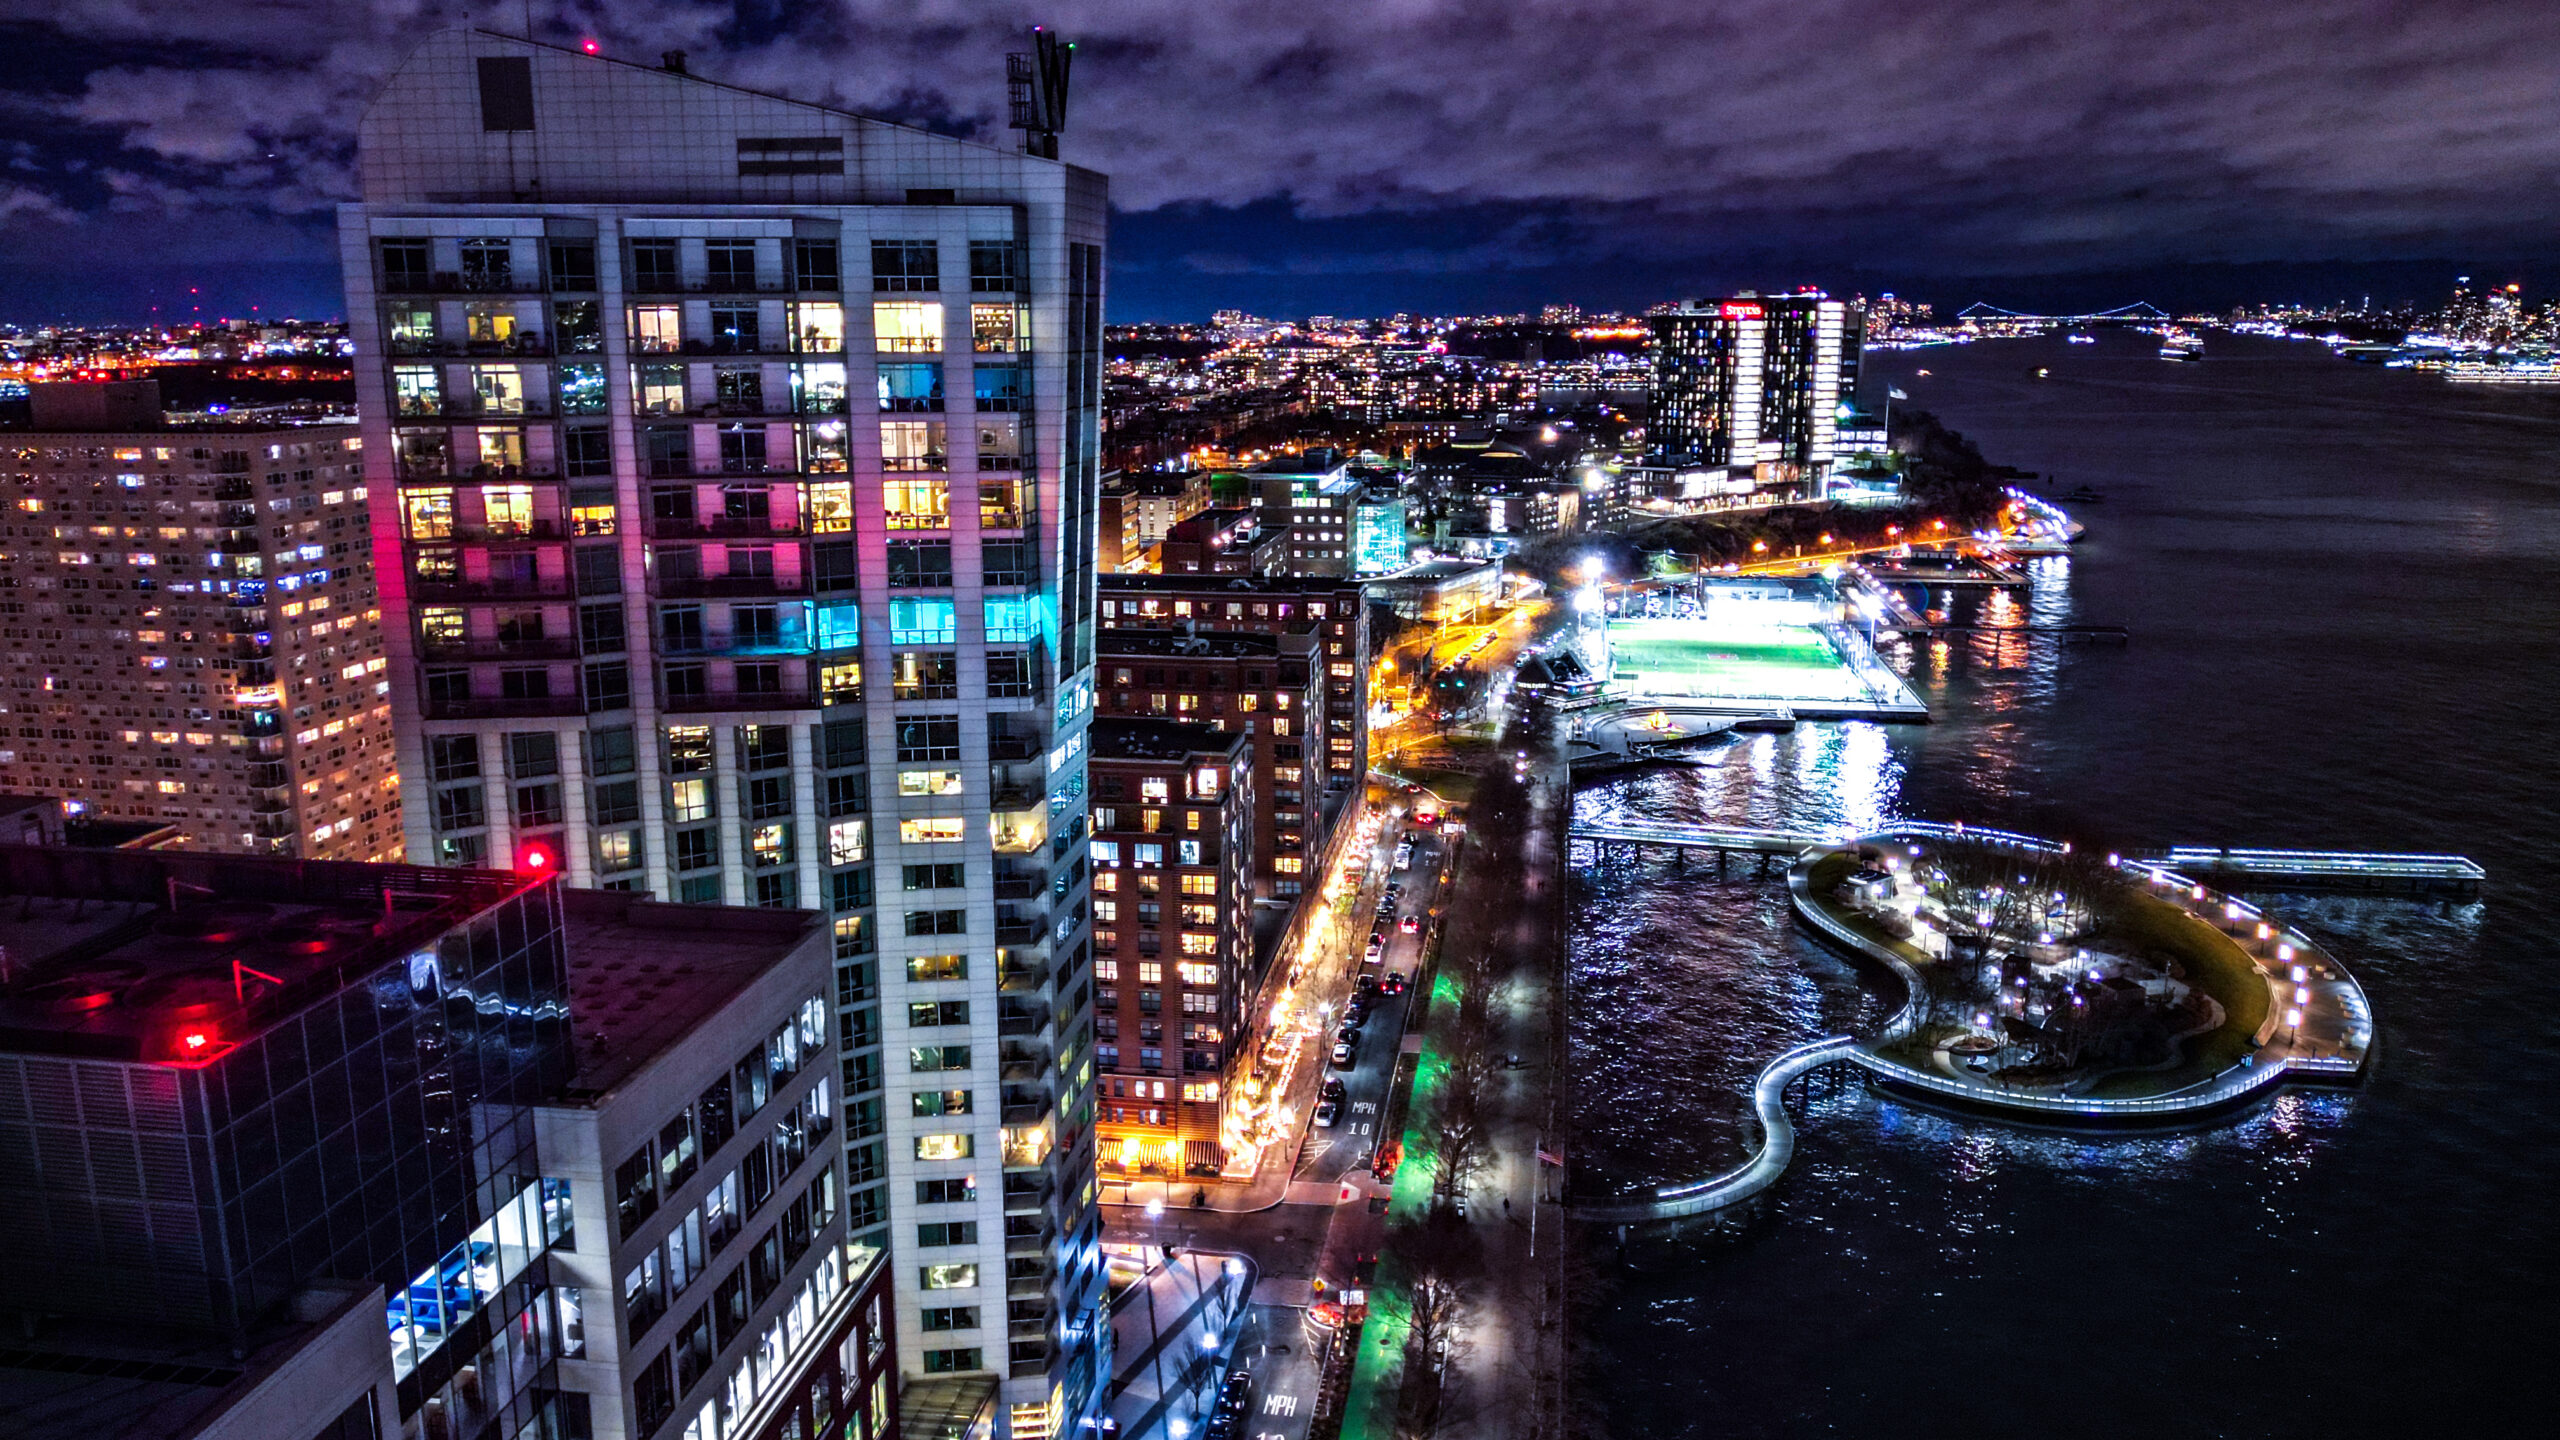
<point>2069,634</point>
<point>2228,869</point>
<point>2319,1026</point>
<point>1721,840</point>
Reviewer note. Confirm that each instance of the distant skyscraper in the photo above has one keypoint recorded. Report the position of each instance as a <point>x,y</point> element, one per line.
<point>190,628</point>
<point>1752,381</point>
<point>740,459</point>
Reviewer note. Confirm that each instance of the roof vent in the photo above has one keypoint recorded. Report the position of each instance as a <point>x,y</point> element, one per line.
<point>671,61</point>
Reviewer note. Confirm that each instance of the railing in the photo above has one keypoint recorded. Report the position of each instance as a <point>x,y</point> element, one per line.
<point>467,589</point>
<point>547,648</point>
<point>725,527</point>
<point>803,697</point>
<point>493,707</point>
<point>717,587</point>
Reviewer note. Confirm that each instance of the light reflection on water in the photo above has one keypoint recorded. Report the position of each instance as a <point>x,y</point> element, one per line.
<point>2299,1270</point>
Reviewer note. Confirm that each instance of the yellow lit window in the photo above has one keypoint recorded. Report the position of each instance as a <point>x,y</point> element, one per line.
<point>932,832</point>
<point>907,327</point>
<point>1199,944</point>
<point>1200,885</point>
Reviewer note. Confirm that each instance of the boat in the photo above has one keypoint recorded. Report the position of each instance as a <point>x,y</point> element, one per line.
<point>1777,722</point>
<point>2082,339</point>
<point>2180,346</point>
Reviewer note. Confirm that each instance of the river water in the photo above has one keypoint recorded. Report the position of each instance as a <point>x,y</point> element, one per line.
<point>2343,585</point>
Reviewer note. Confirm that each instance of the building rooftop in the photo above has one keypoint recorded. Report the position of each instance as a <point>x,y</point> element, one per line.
<point>1141,739</point>
<point>173,957</point>
<point>1236,584</point>
<point>1210,644</point>
<point>643,975</point>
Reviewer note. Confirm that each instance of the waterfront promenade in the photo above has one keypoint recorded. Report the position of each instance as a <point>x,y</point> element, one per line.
<point>2318,1027</point>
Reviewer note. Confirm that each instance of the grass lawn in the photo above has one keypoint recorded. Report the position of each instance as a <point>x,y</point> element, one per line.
<point>1691,657</point>
<point>2214,963</point>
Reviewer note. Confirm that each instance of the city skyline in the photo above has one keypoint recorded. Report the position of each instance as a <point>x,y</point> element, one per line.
<point>1396,162</point>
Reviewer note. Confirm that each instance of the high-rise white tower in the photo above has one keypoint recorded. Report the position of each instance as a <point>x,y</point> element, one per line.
<point>733,469</point>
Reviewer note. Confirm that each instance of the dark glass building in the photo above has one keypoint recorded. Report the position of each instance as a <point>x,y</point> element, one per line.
<point>224,1081</point>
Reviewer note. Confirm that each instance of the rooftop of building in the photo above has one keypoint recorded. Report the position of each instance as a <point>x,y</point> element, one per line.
<point>644,974</point>
<point>1155,484</point>
<point>76,1379</point>
<point>1213,526</point>
<point>1225,584</point>
<point>1435,572</point>
<point>1117,738</point>
<point>173,956</point>
<point>583,102</point>
<point>1312,462</point>
<point>136,408</point>
<point>1208,644</point>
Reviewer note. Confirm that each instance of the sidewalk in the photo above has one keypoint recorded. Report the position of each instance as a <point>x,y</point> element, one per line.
<point>1172,1336</point>
<point>1505,1370</point>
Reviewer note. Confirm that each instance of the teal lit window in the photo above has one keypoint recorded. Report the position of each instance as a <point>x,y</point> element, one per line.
<point>839,626</point>
<point>923,621</point>
<point>1011,618</point>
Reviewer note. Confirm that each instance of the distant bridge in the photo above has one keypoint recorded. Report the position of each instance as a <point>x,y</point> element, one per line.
<point>2141,312</point>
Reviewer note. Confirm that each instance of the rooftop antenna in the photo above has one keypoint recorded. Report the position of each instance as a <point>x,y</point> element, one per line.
<point>1036,86</point>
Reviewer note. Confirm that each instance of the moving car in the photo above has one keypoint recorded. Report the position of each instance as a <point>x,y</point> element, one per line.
<point>1395,983</point>
<point>1410,925</point>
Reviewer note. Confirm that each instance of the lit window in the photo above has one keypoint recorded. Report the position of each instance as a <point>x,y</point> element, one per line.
<point>932,832</point>
<point>907,327</point>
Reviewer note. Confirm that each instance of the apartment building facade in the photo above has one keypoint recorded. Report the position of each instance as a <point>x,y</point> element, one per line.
<point>1333,611</point>
<point>191,629</point>
<point>1173,868</point>
<point>742,484</point>
<point>1268,687</point>
<point>715,1293</point>
<point>1752,382</point>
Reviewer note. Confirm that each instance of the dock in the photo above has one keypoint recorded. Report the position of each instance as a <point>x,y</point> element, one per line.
<point>1720,839</point>
<point>2414,874</point>
<point>2068,634</point>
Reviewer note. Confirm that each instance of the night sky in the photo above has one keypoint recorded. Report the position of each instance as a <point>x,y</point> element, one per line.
<point>1292,156</point>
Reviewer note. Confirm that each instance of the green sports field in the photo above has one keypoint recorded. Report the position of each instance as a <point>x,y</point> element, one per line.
<point>1691,657</point>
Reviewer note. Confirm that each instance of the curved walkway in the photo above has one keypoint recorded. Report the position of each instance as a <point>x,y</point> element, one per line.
<point>2312,986</point>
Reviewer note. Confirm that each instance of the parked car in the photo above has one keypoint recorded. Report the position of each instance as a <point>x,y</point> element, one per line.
<point>1377,946</point>
<point>1327,1112</point>
<point>1333,1088</point>
<point>1343,1051</point>
<point>1367,984</point>
<point>1236,1395</point>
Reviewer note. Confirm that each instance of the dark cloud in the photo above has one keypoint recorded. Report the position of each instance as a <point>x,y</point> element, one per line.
<point>1967,137</point>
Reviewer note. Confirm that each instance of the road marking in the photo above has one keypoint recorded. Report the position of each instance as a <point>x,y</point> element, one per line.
<point>1364,1107</point>
<point>1279,1404</point>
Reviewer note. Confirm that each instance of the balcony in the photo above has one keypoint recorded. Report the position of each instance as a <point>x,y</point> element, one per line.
<point>725,527</point>
<point>488,588</point>
<point>1021,979</point>
<point>762,345</point>
<point>1025,1106</point>
<point>1019,930</point>
<point>1017,1062</point>
<point>1026,1285</point>
<point>473,408</point>
<point>1027,1190</point>
<point>1026,1240</point>
<point>559,647</point>
<point>527,345</point>
<point>1014,1017</point>
<point>787,698</point>
<point>512,533</point>
<point>1026,1358</point>
<point>1011,749</point>
<point>441,471</point>
<point>730,587</point>
<point>495,707</point>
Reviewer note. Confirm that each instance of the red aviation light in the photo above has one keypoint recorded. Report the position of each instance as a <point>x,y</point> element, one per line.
<point>536,857</point>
